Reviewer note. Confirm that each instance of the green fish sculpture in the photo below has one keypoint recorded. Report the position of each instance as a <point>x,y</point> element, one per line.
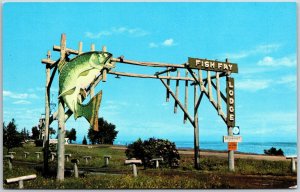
<point>75,76</point>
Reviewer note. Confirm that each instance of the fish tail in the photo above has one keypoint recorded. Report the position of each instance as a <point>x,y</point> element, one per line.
<point>90,110</point>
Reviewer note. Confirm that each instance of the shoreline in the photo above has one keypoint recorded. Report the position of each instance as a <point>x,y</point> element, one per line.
<point>203,152</point>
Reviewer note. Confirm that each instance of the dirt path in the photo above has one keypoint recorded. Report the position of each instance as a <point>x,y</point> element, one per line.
<point>224,154</point>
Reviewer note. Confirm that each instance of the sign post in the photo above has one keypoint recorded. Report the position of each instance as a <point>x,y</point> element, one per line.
<point>232,146</point>
<point>230,117</point>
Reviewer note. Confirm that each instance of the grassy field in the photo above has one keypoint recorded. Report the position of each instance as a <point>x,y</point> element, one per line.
<point>212,174</point>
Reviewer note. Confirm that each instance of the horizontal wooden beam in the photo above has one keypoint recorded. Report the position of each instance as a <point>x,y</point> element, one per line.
<point>48,61</point>
<point>149,76</point>
<point>16,179</point>
<point>70,51</point>
<point>148,64</point>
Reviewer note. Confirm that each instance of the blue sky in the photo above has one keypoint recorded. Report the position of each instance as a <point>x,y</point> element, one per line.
<point>260,37</point>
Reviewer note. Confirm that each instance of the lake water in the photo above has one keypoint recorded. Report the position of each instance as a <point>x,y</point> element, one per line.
<point>289,148</point>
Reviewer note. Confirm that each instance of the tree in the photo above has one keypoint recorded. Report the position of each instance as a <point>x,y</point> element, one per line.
<point>35,133</point>
<point>25,134</point>
<point>71,135</point>
<point>84,141</point>
<point>11,137</point>
<point>106,134</point>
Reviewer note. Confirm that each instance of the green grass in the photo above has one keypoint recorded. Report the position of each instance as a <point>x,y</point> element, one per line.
<point>212,173</point>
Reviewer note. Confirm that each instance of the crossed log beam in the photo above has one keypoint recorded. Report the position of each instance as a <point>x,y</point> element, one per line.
<point>205,85</point>
<point>194,79</point>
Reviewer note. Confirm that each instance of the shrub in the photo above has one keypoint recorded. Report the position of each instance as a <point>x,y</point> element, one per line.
<point>84,141</point>
<point>153,148</point>
<point>38,143</point>
<point>274,151</point>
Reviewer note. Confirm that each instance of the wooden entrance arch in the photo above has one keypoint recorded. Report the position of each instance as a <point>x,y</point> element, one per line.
<point>193,71</point>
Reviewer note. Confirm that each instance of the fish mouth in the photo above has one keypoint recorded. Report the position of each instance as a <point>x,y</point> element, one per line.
<point>110,65</point>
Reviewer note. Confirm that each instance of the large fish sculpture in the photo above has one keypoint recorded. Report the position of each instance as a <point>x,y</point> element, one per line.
<point>78,74</point>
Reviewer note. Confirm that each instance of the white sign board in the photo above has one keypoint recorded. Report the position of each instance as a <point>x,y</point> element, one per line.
<point>53,141</point>
<point>227,139</point>
<point>66,141</point>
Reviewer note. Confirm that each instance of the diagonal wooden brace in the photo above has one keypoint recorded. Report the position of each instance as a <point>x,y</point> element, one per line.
<point>177,100</point>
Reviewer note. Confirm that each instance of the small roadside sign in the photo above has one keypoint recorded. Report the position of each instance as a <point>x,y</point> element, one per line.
<point>227,139</point>
<point>232,146</point>
<point>236,130</point>
<point>53,141</point>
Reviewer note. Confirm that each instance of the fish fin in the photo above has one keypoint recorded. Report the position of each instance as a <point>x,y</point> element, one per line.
<point>90,110</point>
<point>84,73</point>
<point>83,93</point>
<point>68,92</point>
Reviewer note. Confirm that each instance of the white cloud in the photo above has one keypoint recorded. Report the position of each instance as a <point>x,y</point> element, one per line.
<point>253,85</point>
<point>266,48</point>
<point>97,35</point>
<point>289,61</point>
<point>19,95</point>
<point>153,45</point>
<point>133,31</point>
<point>290,80</point>
<point>260,49</point>
<point>119,30</point>
<point>168,42</point>
<point>24,117</point>
<point>22,102</point>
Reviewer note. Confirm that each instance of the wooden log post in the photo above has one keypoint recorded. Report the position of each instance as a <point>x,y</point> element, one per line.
<point>219,104</point>
<point>47,117</point>
<point>179,103</point>
<point>53,154</point>
<point>92,47</point>
<point>104,71</point>
<point>75,166</point>
<point>230,123</point>
<point>133,162</point>
<point>67,156</point>
<point>157,161</point>
<point>61,123</point>
<point>106,160</point>
<point>209,87</point>
<point>200,76</point>
<point>177,91</point>
<point>168,83</point>
<point>230,153</point>
<point>80,48</point>
<point>196,131</point>
<point>87,159</point>
<point>186,96</point>
<point>293,163</point>
<point>9,160</point>
<point>38,154</point>
<point>20,180</point>
<point>25,154</point>
<point>92,90</point>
